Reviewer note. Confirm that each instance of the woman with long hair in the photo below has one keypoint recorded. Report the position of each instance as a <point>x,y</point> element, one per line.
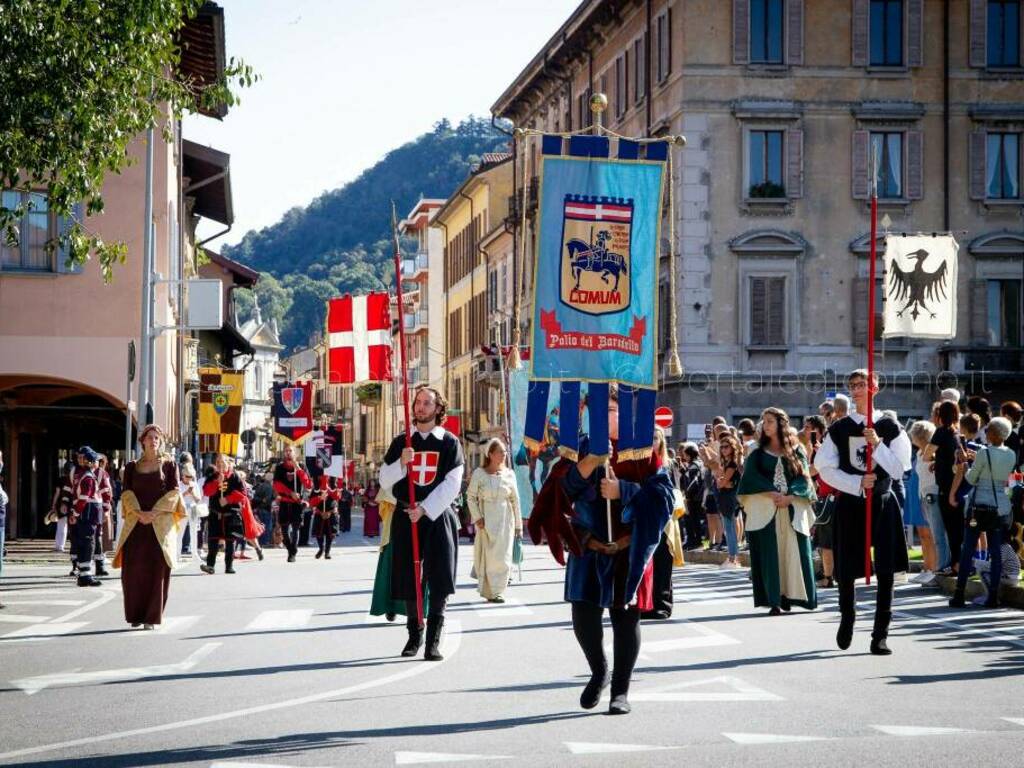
<point>147,547</point>
<point>727,476</point>
<point>777,494</point>
<point>493,499</point>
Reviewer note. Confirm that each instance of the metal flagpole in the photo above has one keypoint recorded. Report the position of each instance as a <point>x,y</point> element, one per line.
<point>868,415</point>
<point>416,562</point>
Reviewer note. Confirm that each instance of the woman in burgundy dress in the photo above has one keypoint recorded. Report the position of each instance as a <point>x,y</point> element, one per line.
<point>371,510</point>
<point>146,550</point>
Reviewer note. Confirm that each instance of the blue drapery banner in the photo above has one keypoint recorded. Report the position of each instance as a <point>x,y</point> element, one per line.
<point>596,257</point>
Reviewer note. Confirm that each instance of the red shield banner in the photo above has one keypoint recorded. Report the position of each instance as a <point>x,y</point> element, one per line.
<point>293,411</point>
<point>424,467</point>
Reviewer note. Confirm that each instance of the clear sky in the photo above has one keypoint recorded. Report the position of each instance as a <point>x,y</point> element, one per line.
<point>344,81</point>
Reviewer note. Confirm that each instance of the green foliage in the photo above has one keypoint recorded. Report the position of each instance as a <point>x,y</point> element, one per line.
<point>341,243</point>
<point>79,80</point>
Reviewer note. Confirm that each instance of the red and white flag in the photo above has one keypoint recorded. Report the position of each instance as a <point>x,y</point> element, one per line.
<point>359,339</point>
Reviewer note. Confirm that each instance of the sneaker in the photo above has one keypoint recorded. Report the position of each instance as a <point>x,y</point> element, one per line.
<point>730,565</point>
<point>934,582</point>
<point>922,578</point>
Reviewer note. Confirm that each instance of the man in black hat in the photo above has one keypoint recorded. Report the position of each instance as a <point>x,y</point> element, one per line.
<point>89,509</point>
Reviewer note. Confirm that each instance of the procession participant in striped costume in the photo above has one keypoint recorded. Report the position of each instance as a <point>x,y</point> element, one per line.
<point>226,495</point>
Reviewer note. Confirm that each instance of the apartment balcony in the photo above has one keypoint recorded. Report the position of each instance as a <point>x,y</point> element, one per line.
<point>416,321</point>
<point>486,369</point>
<point>999,362</point>
<point>416,266</point>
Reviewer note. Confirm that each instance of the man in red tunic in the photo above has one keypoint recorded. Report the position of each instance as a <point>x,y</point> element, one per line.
<point>289,481</point>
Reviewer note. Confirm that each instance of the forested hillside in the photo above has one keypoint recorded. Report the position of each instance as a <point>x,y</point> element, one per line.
<point>340,242</point>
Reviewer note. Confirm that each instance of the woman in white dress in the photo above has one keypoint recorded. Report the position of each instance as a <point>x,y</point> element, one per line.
<point>493,501</point>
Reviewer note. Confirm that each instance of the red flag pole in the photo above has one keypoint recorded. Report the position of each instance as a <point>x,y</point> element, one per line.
<point>417,564</point>
<point>868,415</point>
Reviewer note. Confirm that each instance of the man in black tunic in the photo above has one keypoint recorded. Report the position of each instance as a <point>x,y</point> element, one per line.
<point>436,463</point>
<point>841,462</point>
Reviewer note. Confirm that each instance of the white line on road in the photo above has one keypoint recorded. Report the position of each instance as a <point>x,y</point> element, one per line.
<point>173,625</point>
<point>511,607</point>
<point>21,618</point>
<point>770,738</point>
<point>32,685</point>
<point>707,638</point>
<point>449,647</point>
<point>917,730</point>
<point>287,619</point>
<point>40,632</point>
<point>46,602</point>
<point>736,690</point>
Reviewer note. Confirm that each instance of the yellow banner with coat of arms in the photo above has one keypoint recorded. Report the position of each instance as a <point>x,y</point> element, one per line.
<point>220,410</point>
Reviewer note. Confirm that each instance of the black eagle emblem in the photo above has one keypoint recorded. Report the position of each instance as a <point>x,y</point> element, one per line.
<point>917,287</point>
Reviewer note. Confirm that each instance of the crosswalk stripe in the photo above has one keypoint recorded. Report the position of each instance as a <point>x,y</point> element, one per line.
<point>287,619</point>
<point>172,625</point>
<point>46,602</point>
<point>511,607</point>
<point>21,618</point>
<point>39,632</point>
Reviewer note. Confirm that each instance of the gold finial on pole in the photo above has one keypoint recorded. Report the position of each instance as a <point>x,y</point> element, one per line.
<point>598,104</point>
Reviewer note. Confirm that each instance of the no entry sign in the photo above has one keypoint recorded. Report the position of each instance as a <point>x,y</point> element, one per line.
<point>663,417</point>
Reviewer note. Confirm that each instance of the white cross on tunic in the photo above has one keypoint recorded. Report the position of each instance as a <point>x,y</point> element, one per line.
<point>423,469</point>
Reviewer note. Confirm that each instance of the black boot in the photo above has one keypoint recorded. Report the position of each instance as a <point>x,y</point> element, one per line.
<point>883,616</point>
<point>586,623</point>
<point>88,581</point>
<point>319,552</point>
<point>435,624</point>
<point>957,601</point>
<point>625,649</point>
<point>101,571</point>
<point>412,647</point>
<point>847,614</point>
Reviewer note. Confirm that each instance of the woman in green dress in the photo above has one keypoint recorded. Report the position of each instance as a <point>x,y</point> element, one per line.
<point>776,493</point>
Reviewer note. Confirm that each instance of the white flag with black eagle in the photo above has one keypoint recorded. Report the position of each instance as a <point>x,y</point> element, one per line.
<point>920,286</point>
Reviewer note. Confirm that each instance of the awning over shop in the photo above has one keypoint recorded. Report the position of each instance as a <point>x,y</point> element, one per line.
<point>208,172</point>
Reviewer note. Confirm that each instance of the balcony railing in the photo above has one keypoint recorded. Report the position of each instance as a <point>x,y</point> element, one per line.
<point>414,321</point>
<point>418,263</point>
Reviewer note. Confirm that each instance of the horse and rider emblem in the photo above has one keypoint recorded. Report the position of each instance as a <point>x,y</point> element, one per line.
<point>595,260</point>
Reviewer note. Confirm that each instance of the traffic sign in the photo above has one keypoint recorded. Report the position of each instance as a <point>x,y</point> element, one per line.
<point>248,437</point>
<point>663,417</point>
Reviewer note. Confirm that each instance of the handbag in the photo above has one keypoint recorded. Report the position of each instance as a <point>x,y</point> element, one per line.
<point>202,509</point>
<point>985,516</point>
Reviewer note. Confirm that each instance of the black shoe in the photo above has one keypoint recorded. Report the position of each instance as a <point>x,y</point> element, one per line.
<point>88,581</point>
<point>319,554</point>
<point>434,626</point>
<point>206,568</point>
<point>229,569</point>
<point>259,553</point>
<point>412,646</point>
<point>879,648</point>
<point>619,705</point>
<point>389,616</point>
<point>992,601</point>
<point>845,634</point>
<point>957,601</point>
<point>591,695</point>
<point>291,558</point>
<point>102,572</point>
<point>659,615</point>
<point>775,611</point>
<point>785,604</point>
<point>327,556</point>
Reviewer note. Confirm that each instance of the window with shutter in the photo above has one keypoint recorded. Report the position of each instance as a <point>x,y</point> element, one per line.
<point>37,230</point>
<point>766,25</point>
<point>1003,31</point>
<point>885,27</point>
<point>1003,318</point>
<point>765,165</point>
<point>795,32</point>
<point>794,163</point>
<point>977,55</point>
<point>858,309</point>
<point>915,165</point>
<point>1002,166</point>
<point>915,33</point>
<point>887,156</point>
<point>767,311</point>
<point>859,33</point>
<point>639,70</point>
<point>977,161</point>
<point>861,162</point>
<point>663,34</point>
<point>740,31</point>
<point>979,312</point>
<point>621,94</point>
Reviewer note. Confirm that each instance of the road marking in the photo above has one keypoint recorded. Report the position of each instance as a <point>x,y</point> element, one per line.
<point>21,618</point>
<point>172,625</point>
<point>419,758</point>
<point>594,748</point>
<point>1015,720</point>
<point>32,685</point>
<point>40,632</point>
<point>739,690</point>
<point>249,765</point>
<point>917,730</point>
<point>106,595</point>
<point>706,638</point>
<point>770,738</point>
<point>449,647</point>
<point>288,619</point>
<point>511,607</point>
<point>46,602</point>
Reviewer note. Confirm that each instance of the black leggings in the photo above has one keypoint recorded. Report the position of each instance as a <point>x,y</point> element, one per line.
<point>213,545</point>
<point>883,603</point>
<point>953,522</point>
<point>588,626</point>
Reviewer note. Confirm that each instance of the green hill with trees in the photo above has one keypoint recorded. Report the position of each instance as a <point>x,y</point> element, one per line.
<point>340,242</point>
